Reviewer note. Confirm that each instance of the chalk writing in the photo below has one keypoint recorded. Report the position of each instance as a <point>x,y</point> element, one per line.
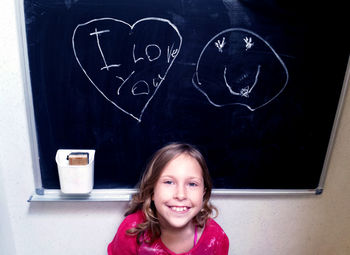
<point>97,33</point>
<point>131,60</point>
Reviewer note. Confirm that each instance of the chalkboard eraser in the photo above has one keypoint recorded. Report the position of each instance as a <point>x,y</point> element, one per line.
<point>78,158</point>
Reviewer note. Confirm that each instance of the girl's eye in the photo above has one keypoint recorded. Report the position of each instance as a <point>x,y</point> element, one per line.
<point>168,182</point>
<point>193,184</point>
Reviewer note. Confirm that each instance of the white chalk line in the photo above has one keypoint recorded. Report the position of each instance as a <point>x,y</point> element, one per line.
<point>173,54</point>
<point>197,83</point>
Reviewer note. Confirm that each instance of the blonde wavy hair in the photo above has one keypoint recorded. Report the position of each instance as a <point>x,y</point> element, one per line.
<point>142,200</point>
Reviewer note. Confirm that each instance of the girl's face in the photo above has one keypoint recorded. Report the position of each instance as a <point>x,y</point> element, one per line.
<point>178,193</point>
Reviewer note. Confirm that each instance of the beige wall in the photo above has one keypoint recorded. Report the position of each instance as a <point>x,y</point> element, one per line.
<point>256,225</point>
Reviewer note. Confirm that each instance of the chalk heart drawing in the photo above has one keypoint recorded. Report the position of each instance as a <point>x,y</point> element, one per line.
<point>126,63</point>
<point>238,67</point>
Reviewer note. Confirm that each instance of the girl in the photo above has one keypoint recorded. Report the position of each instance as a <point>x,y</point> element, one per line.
<point>171,212</point>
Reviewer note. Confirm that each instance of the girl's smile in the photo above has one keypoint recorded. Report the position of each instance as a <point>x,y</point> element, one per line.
<point>179,209</point>
<point>178,193</point>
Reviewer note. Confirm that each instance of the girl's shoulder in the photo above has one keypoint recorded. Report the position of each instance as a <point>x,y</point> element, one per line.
<point>129,222</point>
<point>133,219</point>
<point>124,243</point>
<point>213,227</point>
<point>213,238</point>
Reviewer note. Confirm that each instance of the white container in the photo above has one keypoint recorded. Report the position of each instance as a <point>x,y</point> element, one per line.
<point>75,179</point>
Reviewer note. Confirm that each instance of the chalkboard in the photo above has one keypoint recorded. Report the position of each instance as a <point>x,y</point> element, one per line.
<point>255,85</point>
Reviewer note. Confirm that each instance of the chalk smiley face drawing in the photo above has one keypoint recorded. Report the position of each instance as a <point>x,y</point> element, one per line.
<point>238,67</point>
<point>126,63</point>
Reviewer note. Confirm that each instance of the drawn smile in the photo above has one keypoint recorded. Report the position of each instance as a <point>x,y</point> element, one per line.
<point>244,92</point>
<point>239,67</point>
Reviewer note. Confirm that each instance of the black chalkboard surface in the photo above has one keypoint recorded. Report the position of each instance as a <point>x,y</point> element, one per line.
<point>254,85</point>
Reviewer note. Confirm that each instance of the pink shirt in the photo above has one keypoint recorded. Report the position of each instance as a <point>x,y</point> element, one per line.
<point>212,241</point>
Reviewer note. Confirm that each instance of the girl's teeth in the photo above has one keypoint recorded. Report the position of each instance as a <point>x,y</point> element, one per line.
<point>179,209</point>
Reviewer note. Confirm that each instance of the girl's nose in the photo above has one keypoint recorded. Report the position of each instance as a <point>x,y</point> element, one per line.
<point>180,192</point>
